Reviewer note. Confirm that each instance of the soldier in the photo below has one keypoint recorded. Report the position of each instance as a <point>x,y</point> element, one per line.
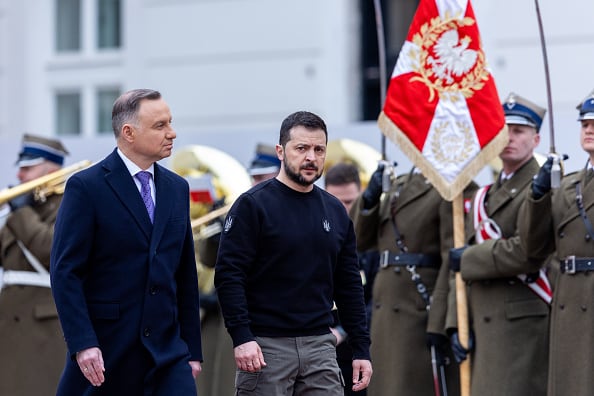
<point>411,225</point>
<point>265,164</point>
<point>509,320</point>
<point>560,221</point>
<point>342,180</point>
<point>31,342</point>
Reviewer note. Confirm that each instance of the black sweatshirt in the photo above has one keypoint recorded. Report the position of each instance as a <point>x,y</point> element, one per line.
<point>284,258</point>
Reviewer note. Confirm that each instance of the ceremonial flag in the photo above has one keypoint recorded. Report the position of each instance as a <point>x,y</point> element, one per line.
<point>442,107</point>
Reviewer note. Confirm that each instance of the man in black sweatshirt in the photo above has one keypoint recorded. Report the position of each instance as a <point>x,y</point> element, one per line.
<point>287,253</point>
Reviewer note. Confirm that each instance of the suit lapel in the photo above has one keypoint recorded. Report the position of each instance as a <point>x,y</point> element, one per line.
<point>417,186</point>
<point>499,196</point>
<point>120,181</point>
<point>163,190</point>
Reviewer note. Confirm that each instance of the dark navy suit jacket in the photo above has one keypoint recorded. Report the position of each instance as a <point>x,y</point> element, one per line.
<point>121,283</point>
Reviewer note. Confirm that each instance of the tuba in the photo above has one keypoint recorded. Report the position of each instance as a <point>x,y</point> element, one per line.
<point>364,157</point>
<point>216,179</point>
<point>44,186</point>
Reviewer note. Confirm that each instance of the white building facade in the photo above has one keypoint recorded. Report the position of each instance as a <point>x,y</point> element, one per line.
<point>231,70</point>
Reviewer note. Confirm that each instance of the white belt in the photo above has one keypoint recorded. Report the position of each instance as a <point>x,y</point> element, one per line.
<point>23,278</point>
<point>40,277</point>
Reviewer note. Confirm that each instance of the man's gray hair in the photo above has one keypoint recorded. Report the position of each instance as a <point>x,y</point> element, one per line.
<point>125,108</point>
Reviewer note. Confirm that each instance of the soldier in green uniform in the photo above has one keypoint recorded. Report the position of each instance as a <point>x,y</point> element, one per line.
<point>31,343</point>
<point>560,221</point>
<point>411,225</point>
<point>508,318</point>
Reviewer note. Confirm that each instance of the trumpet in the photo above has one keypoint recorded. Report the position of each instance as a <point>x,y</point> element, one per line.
<point>44,186</point>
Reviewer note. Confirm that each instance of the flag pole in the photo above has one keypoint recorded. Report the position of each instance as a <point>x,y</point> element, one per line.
<point>381,44</point>
<point>461,301</point>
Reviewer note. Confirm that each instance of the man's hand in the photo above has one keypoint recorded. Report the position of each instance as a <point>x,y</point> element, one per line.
<point>455,258</point>
<point>249,357</point>
<point>458,350</point>
<point>91,365</point>
<point>362,372</point>
<point>196,368</point>
<point>339,333</point>
<point>373,192</point>
<point>542,181</point>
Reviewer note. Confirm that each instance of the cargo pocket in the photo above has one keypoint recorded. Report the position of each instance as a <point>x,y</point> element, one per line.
<point>245,380</point>
<point>45,312</point>
<point>525,308</point>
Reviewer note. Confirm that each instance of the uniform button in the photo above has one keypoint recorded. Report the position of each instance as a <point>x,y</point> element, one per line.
<point>153,290</point>
<point>17,319</point>
<point>378,306</point>
<point>584,308</point>
<point>397,270</point>
<point>486,319</point>
<point>147,332</point>
<point>561,234</point>
<point>561,306</point>
<point>395,309</point>
<point>511,282</point>
<point>587,237</point>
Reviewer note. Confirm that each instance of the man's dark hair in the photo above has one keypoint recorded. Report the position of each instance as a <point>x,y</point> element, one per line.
<point>342,173</point>
<point>125,108</point>
<point>300,118</point>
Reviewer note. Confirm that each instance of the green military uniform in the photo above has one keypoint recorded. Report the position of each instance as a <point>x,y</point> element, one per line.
<point>509,320</point>
<point>218,370</point>
<point>31,343</point>
<point>552,223</point>
<point>399,320</point>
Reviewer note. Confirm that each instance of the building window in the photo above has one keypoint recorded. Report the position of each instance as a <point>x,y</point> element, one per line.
<point>68,25</point>
<point>108,24</point>
<point>68,113</point>
<point>105,99</point>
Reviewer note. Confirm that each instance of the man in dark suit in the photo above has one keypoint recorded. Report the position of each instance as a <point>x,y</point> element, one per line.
<point>123,270</point>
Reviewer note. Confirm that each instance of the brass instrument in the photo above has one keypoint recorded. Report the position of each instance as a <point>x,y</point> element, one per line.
<point>364,157</point>
<point>229,178</point>
<point>44,186</point>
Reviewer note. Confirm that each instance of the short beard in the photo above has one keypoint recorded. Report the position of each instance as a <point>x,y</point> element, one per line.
<point>296,176</point>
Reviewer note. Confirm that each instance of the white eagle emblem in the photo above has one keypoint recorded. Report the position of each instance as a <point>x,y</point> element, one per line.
<point>454,58</point>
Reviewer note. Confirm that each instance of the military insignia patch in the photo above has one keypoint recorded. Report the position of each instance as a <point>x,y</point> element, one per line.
<point>228,224</point>
<point>326,225</point>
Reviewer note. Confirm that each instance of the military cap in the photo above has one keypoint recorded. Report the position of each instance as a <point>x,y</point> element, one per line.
<point>521,111</point>
<point>586,107</point>
<point>36,149</point>
<point>265,161</point>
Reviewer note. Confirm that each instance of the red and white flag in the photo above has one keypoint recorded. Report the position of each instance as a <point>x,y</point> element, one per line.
<point>442,107</point>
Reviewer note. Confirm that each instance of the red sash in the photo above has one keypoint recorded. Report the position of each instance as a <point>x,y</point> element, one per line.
<point>486,228</point>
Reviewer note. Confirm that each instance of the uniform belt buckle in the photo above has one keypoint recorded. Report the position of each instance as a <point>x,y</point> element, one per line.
<point>569,265</point>
<point>385,259</point>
